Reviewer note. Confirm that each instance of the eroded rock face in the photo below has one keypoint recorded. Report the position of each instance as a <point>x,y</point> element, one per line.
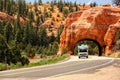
<point>5,16</point>
<point>99,24</point>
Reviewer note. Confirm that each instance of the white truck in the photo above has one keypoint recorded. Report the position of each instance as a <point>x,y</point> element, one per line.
<point>83,51</point>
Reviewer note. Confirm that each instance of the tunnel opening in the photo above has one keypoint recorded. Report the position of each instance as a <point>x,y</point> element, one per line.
<point>94,47</point>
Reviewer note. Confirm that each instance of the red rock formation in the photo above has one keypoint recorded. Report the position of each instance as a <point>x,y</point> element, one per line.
<point>99,24</point>
<point>4,16</point>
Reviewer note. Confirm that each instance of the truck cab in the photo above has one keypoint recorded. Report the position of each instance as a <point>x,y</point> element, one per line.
<point>83,51</point>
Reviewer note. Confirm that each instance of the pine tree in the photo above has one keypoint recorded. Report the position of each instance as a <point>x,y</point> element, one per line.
<point>43,39</point>
<point>116,2</point>
<point>8,7</point>
<point>31,17</point>
<point>59,31</point>
<point>93,4</point>
<point>18,36</point>
<point>2,24</point>
<point>42,18</point>
<point>40,2</point>
<point>71,7</point>
<point>65,11</point>
<point>38,22</point>
<point>1,5</point>
<point>26,37</point>
<point>52,7</point>
<point>84,5</point>
<point>4,5</point>
<point>52,38</point>
<point>60,5</point>
<point>8,32</point>
<point>25,9</point>
<point>36,8</point>
<point>3,49</point>
<point>19,32</point>
<point>20,7</point>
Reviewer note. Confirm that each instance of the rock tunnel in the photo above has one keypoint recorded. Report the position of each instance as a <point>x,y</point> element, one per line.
<point>99,24</point>
<point>100,49</point>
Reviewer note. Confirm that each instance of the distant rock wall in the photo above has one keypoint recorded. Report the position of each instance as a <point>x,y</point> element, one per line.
<point>5,16</point>
<point>98,23</point>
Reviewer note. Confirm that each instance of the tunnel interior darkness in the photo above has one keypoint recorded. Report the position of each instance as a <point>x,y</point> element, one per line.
<point>91,43</point>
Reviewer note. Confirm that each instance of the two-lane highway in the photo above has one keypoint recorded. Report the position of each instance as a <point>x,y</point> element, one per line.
<point>56,69</point>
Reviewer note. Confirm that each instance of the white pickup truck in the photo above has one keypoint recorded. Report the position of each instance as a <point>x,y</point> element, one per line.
<point>83,51</point>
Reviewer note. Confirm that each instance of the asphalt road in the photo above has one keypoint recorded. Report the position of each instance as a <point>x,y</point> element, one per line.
<point>58,69</point>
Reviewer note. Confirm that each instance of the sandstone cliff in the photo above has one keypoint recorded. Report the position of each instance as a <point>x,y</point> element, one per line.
<point>99,24</point>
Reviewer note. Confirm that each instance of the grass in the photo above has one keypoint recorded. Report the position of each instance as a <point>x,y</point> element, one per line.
<point>50,60</point>
<point>45,61</point>
<point>119,56</point>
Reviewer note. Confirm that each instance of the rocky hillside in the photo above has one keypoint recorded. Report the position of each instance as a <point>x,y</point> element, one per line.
<point>52,15</point>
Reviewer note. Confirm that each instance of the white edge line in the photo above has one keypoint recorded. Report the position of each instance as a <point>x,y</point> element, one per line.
<point>42,66</point>
<point>78,70</point>
<point>29,68</point>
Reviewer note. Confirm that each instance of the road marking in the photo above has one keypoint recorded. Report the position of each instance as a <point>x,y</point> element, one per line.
<point>7,74</point>
<point>78,70</point>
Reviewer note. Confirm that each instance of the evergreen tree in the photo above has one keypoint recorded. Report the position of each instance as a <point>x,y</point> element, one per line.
<point>20,7</point>
<point>36,8</point>
<point>60,29</point>
<point>30,52</point>
<point>19,32</point>
<point>43,39</point>
<point>40,2</point>
<point>31,17</point>
<point>42,18</point>
<point>26,38</point>
<point>18,36</point>
<point>8,32</point>
<point>84,5</point>
<point>93,4</point>
<point>71,7</point>
<point>2,24</point>
<point>65,11</point>
<point>52,38</point>
<point>116,2</point>
<point>1,5</point>
<point>52,7</point>
<point>38,22</point>
<point>4,5</point>
<point>60,5</point>
<point>24,9</point>
<point>3,49</point>
<point>8,7</point>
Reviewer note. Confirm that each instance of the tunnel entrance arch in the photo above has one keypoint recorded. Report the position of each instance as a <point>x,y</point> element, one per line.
<point>92,45</point>
<point>86,25</point>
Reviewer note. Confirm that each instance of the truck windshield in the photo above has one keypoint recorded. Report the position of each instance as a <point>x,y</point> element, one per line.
<point>83,50</point>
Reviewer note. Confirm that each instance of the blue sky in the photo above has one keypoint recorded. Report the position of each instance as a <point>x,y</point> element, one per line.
<point>80,1</point>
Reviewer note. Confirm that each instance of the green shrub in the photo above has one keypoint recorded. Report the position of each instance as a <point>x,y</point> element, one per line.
<point>117,46</point>
<point>3,66</point>
<point>64,50</point>
<point>24,61</point>
<point>76,51</point>
<point>30,51</point>
<point>12,66</point>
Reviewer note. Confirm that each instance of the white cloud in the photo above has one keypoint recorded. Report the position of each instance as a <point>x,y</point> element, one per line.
<point>89,2</point>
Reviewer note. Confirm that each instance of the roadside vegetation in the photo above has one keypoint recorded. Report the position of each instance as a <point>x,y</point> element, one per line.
<point>44,61</point>
<point>117,44</point>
